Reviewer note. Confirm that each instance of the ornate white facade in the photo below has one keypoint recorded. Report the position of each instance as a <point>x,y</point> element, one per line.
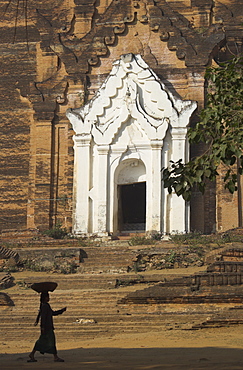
<point>124,136</point>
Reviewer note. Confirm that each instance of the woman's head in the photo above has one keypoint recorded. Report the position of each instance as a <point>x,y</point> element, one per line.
<point>44,297</point>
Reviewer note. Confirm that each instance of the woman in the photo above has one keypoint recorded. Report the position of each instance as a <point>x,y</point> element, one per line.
<point>46,342</point>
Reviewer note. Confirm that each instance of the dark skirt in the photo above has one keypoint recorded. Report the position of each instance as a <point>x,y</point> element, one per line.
<point>46,343</point>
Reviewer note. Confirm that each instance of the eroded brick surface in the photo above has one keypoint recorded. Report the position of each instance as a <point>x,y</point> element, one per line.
<point>59,58</point>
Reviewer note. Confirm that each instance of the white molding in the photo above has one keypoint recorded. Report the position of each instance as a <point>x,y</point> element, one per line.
<point>133,116</point>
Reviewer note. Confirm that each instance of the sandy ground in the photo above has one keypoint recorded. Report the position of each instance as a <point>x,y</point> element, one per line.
<point>220,348</point>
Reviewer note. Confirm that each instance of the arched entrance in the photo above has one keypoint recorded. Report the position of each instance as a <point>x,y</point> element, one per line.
<point>131,196</point>
<point>132,207</point>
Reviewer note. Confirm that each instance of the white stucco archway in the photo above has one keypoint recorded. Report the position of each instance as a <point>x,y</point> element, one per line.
<point>133,119</point>
<point>129,171</point>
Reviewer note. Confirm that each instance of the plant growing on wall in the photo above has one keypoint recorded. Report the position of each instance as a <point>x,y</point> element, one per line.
<point>220,128</point>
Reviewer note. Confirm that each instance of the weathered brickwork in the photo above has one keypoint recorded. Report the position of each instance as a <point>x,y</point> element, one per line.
<point>221,283</point>
<point>58,57</point>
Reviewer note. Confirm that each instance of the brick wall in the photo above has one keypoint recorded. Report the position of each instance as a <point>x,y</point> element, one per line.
<point>60,60</point>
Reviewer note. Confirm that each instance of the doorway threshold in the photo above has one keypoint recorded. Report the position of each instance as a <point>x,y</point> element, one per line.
<point>126,235</point>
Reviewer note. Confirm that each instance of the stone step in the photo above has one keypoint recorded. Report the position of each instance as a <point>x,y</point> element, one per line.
<point>85,334</point>
<point>74,282</point>
<point>92,305</point>
<point>116,258</point>
<point>94,296</point>
<point>92,300</point>
<point>72,323</point>
<point>217,323</point>
<point>114,324</point>
<point>226,267</point>
<point>106,259</point>
<point>154,323</point>
<point>89,281</point>
<point>126,315</point>
<point>128,235</point>
<point>14,234</point>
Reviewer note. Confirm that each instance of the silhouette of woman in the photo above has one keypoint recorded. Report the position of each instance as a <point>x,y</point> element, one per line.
<point>47,341</point>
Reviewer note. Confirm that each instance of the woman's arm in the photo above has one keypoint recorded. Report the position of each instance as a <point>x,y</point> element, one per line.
<point>59,312</point>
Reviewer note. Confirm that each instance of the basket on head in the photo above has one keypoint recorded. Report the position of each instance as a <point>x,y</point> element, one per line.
<point>46,286</point>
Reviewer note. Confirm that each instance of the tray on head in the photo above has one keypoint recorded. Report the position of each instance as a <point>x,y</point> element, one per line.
<point>46,286</point>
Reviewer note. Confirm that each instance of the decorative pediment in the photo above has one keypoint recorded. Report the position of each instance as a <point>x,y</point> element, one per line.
<point>131,91</point>
<point>78,54</point>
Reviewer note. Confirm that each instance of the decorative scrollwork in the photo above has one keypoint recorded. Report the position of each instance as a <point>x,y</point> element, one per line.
<point>119,29</point>
<point>93,61</point>
<point>164,36</point>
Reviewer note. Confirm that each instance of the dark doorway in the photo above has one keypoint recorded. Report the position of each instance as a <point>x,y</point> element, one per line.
<point>132,206</point>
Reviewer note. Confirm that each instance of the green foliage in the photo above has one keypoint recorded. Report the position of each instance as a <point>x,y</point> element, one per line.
<point>220,128</point>
<point>141,240</point>
<point>63,267</point>
<point>57,232</point>
<point>171,257</point>
<point>69,268</point>
<point>194,238</point>
<point>31,265</point>
<point>156,236</point>
<point>195,241</point>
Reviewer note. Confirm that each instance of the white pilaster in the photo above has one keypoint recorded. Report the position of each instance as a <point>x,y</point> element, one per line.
<point>155,223</point>
<point>179,215</point>
<point>101,218</point>
<point>81,183</point>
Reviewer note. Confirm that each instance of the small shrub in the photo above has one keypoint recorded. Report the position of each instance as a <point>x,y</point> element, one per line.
<point>70,268</point>
<point>136,267</point>
<point>181,239</point>
<point>12,269</point>
<point>226,238</point>
<point>57,232</point>
<point>198,249</point>
<point>31,265</point>
<point>140,240</point>
<point>156,236</point>
<point>192,239</point>
<point>171,257</point>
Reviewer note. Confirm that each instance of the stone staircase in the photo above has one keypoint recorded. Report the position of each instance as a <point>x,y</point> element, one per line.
<point>216,294</point>
<point>110,258</point>
<point>116,301</point>
<point>95,304</point>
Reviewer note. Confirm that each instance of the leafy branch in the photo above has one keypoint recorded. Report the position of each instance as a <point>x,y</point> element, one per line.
<point>220,128</point>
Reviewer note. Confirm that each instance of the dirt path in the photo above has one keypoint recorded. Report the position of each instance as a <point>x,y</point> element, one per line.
<point>220,348</point>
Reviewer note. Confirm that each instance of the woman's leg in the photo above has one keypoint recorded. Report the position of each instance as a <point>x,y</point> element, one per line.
<point>32,356</point>
<point>57,359</point>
